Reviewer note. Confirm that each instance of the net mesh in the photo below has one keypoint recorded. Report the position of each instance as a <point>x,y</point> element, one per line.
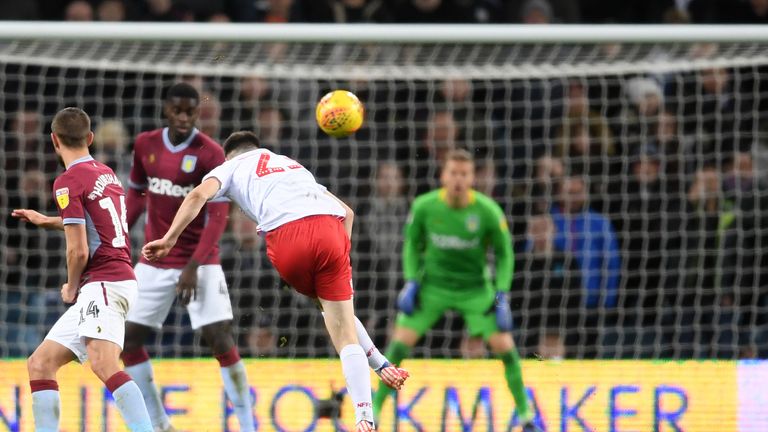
<point>663,142</point>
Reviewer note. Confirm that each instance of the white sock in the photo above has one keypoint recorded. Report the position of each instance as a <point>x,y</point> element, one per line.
<point>236,385</point>
<point>358,379</point>
<point>375,358</point>
<point>130,403</point>
<point>144,377</point>
<point>45,410</point>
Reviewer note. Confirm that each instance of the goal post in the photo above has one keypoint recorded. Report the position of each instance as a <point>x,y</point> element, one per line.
<point>662,124</point>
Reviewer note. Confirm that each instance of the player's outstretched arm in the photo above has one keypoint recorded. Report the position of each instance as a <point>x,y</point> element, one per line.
<point>188,211</point>
<point>349,218</point>
<point>39,219</point>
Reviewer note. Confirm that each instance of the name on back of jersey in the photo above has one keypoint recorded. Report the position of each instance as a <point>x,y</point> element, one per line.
<point>101,184</point>
<point>166,187</point>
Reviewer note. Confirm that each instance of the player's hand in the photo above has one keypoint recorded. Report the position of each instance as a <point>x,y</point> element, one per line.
<point>31,216</point>
<point>69,295</point>
<point>408,298</point>
<point>157,249</point>
<point>503,312</point>
<point>187,287</point>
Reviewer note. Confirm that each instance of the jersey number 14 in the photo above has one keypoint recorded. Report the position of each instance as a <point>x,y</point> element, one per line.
<point>118,220</point>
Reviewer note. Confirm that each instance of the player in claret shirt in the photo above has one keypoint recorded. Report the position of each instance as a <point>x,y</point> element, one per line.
<point>308,232</point>
<point>100,280</point>
<point>167,164</point>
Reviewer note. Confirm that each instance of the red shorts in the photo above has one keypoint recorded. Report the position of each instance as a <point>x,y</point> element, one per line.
<point>312,255</point>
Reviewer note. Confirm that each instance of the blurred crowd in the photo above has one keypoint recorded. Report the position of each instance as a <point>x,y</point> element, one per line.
<point>394,11</point>
<point>637,203</point>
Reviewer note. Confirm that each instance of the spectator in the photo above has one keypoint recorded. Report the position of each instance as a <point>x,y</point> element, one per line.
<point>716,113</point>
<point>433,11</point>
<point>219,17</point>
<point>209,121</point>
<point>645,100</point>
<point>34,189</point>
<point>346,11</point>
<point>262,340</point>
<point>166,10</point>
<point>270,121</point>
<point>380,234</point>
<point>649,226</point>
<point>586,141</point>
<point>548,283</point>
<point>551,346</point>
<point>441,136</point>
<point>591,238</point>
<point>541,11</point>
<point>536,12</point>
<point>673,146</point>
<point>249,93</point>
<point>276,11</point>
<point>110,144</point>
<point>485,178</point>
<point>111,10</point>
<point>472,348</point>
<point>477,127</point>
<point>548,175</point>
<point>385,216</point>
<point>25,146</point>
<point>78,10</point>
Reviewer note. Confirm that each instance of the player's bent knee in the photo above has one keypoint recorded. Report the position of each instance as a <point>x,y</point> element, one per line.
<point>104,369</point>
<point>38,365</point>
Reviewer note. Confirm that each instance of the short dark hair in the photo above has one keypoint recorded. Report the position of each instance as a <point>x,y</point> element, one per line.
<point>182,90</point>
<point>240,140</point>
<point>71,126</point>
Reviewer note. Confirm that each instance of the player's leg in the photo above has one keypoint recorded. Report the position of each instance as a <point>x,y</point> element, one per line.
<point>478,313</point>
<point>102,330</point>
<point>390,374</point>
<point>156,292</point>
<point>219,338</point>
<point>42,366</point>
<point>340,322</point>
<point>105,363</point>
<point>211,312</point>
<point>503,346</point>
<point>137,364</point>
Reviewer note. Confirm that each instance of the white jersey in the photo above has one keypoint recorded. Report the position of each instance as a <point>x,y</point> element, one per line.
<point>273,189</point>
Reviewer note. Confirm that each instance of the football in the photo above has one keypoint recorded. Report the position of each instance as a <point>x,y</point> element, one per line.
<point>339,113</point>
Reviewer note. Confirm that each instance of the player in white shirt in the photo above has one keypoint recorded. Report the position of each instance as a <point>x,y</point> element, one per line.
<point>308,233</point>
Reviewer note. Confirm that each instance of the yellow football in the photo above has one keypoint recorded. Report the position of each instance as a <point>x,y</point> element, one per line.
<point>339,113</point>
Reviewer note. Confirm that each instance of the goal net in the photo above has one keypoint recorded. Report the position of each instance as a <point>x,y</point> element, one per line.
<point>630,164</point>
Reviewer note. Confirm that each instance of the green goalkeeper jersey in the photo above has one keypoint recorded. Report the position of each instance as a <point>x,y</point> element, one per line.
<point>448,247</point>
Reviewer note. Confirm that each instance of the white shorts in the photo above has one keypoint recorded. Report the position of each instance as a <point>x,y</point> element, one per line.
<point>157,291</point>
<point>98,313</point>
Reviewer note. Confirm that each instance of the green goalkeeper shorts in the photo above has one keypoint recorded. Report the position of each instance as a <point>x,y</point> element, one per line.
<point>474,306</point>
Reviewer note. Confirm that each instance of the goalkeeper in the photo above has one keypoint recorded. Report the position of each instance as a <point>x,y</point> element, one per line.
<point>445,264</point>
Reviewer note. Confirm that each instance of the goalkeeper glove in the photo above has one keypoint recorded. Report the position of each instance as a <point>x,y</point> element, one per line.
<point>408,297</point>
<point>503,312</point>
